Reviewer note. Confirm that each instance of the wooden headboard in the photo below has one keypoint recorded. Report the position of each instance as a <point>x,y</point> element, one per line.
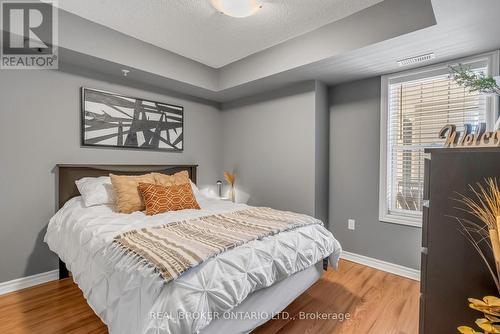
<point>68,174</point>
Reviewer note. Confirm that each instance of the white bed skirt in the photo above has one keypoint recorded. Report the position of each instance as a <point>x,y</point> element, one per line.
<point>266,302</point>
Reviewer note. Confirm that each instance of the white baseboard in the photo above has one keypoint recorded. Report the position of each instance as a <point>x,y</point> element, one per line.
<point>382,265</point>
<point>29,281</point>
<point>26,282</point>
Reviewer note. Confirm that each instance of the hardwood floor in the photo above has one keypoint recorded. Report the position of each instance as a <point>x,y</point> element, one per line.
<point>377,302</point>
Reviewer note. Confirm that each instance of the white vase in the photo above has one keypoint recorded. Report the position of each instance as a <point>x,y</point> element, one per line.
<point>232,194</point>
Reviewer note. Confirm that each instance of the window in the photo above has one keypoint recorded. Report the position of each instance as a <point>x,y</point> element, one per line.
<point>415,106</point>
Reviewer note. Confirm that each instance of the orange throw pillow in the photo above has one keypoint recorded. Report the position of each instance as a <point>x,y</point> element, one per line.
<point>160,199</point>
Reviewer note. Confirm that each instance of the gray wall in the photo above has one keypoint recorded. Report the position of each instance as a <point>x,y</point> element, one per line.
<point>39,119</point>
<point>277,143</point>
<point>269,141</point>
<point>280,144</point>
<point>322,152</point>
<point>354,178</point>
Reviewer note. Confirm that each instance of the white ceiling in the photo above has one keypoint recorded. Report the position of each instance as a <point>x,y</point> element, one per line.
<point>464,28</point>
<point>193,29</point>
<point>366,44</point>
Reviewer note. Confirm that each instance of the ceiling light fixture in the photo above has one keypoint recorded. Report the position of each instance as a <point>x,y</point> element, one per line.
<point>237,8</point>
<point>416,59</point>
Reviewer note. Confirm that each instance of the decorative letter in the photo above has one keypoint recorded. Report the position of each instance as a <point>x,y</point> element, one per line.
<point>449,132</point>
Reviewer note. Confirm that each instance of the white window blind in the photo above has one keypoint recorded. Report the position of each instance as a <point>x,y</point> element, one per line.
<point>418,106</point>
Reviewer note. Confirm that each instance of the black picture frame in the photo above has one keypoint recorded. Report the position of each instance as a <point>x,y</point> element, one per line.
<point>135,123</point>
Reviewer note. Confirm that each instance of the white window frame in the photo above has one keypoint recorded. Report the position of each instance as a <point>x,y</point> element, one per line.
<point>492,58</point>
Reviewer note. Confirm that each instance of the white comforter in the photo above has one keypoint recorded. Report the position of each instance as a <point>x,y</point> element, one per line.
<point>131,300</point>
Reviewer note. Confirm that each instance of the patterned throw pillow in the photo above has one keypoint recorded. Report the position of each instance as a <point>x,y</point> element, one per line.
<point>127,196</point>
<point>160,199</point>
<point>170,180</point>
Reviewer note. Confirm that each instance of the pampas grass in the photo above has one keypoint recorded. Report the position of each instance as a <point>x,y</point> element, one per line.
<point>231,179</point>
<point>484,205</point>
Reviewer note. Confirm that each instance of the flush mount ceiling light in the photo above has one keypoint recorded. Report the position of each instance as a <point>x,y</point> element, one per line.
<point>237,8</point>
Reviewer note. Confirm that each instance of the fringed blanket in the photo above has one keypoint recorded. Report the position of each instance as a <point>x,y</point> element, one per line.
<point>174,248</point>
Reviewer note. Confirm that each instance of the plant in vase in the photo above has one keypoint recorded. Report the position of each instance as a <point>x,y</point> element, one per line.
<point>231,179</point>
<point>485,239</point>
<point>475,82</point>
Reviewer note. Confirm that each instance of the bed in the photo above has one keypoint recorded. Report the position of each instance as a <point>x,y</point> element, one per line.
<point>233,292</point>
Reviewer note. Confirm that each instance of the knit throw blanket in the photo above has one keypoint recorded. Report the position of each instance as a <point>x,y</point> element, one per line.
<point>174,248</point>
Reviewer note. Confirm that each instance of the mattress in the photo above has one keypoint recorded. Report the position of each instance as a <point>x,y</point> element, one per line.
<point>132,300</point>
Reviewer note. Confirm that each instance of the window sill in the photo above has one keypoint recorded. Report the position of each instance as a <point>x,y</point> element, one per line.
<point>402,220</point>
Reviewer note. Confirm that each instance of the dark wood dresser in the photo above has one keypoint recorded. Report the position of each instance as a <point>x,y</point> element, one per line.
<point>451,270</point>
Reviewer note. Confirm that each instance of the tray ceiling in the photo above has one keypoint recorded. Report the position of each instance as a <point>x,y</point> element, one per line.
<point>194,29</point>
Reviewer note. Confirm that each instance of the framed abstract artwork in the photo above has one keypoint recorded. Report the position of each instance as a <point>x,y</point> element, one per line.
<point>114,120</point>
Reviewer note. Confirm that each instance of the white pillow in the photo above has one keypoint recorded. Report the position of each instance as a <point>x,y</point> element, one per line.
<point>96,190</point>
<point>196,192</point>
